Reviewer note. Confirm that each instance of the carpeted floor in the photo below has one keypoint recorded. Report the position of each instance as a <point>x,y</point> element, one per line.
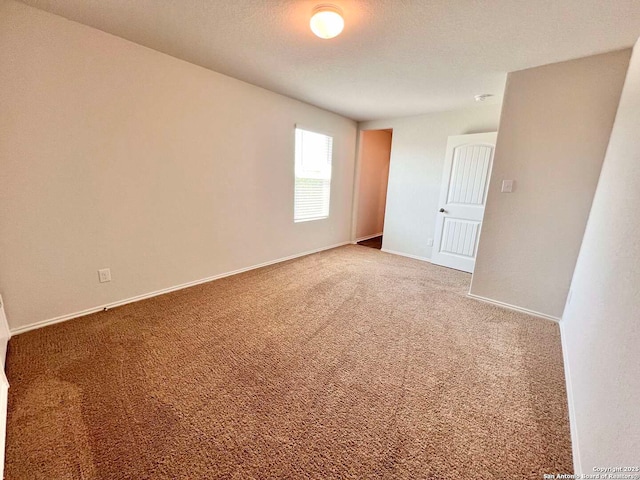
<point>351,363</point>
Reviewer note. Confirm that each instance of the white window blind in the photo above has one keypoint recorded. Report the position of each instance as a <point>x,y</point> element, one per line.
<point>313,175</point>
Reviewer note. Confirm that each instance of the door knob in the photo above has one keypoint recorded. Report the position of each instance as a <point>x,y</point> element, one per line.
<point>442,210</point>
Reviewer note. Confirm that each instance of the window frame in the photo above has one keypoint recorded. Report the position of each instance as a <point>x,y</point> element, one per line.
<point>326,133</point>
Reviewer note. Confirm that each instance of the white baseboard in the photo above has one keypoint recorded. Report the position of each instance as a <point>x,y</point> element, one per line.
<point>513,307</point>
<point>573,426</point>
<point>415,257</point>
<point>5,334</point>
<point>362,239</point>
<point>4,384</point>
<point>137,298</point>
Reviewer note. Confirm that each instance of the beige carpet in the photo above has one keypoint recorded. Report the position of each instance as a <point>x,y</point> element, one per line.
<point>350,363</point>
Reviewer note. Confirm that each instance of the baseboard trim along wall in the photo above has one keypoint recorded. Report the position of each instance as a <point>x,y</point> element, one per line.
<point>4,384</point>
<point>573,426</point>
<point>402,254</point>
<point>137,298</point>
<point>362,239</point>
<point>513,307</point>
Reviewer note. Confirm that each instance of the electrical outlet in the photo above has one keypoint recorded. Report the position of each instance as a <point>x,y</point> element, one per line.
<point>429,242</point>
<point>507,186</point>
<point>104,275</point>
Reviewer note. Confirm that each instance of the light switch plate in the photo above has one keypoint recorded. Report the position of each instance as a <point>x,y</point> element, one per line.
<point>507,186</point>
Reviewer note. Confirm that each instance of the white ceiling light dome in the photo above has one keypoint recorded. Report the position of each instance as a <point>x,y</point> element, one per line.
<point>326,21</point>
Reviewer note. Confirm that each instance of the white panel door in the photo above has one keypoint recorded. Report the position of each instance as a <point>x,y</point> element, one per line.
<point>467,169</point>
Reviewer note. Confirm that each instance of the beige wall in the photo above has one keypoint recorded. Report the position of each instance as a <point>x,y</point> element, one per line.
<point>115,155</point>
<point>415,173</point>
<point>555,126</point>
<point>375,152</point>
<point>601,323</point>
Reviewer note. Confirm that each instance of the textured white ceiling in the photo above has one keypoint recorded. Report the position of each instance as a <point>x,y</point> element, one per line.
<point>394,58</point>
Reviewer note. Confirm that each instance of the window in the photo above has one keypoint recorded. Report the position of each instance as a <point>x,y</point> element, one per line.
<point>313,175</point>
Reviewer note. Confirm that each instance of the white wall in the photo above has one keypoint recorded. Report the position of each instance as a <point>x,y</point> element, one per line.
<point>601,323</point>
<point>115,155</point>
<point>373,178</point>
<point>554,130</point>
<point>415,174</point>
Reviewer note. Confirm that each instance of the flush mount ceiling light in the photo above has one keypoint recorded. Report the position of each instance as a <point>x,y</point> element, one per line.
<point>483,97</point>
<point>326,21</point>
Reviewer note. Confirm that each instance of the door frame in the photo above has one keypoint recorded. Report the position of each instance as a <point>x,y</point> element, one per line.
<point>355,200</point>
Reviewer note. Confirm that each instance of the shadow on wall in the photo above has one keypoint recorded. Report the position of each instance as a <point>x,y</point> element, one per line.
<point>480,130</point>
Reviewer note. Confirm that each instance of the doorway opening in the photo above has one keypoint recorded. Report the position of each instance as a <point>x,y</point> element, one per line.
<point>375,157</point>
